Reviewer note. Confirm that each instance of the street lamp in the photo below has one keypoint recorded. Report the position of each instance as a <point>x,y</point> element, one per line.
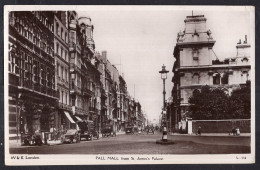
<point>164,77</point>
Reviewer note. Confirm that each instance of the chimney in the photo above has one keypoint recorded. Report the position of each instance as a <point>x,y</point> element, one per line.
<point>245,42</point>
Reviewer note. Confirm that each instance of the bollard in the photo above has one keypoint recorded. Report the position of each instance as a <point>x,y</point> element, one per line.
<point>164,137</point>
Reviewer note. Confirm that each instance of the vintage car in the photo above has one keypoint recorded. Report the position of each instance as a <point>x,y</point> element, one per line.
<point>87,130</point>
<point>108,130</point>
<point>129,130</point>
<point>71,136</point>
<point>150,129</point>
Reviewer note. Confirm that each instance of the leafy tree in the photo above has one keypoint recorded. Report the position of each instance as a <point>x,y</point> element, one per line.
<point>240,103</point>
<point>217,104</point>
<point>209,104</point>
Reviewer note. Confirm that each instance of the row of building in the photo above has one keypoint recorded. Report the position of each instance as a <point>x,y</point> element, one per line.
<point>56,77</point>
<point>197,65</point>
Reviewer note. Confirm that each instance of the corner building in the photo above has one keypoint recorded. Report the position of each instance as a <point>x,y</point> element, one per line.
<point>197,65</point>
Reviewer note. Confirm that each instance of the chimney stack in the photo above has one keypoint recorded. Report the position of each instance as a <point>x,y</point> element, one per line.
<point>245,42</point>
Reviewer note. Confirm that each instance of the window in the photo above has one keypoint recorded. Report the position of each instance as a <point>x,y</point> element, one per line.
<point>66,37</point>
<point>61,52</point>
<point>244,77</point>
<point>59,95</point>
<point>68,99</point>
<point>66,75</point>
<point>216,78</point>
<point>62,97</point>
<point>57,48</point>
<point>65,98</point>
<point>61,74</point>
<point>224,78</point>
<point>195,53</point>
<point>58,70</point>
<point>61,33</point>
<point>195,78</point>
<point>57,28</point>
<point>66,55</point>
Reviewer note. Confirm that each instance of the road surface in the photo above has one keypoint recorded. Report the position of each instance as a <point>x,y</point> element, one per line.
<point>145,144</point>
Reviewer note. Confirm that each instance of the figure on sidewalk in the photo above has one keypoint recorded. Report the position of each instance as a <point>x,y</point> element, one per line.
<point>199,130</point>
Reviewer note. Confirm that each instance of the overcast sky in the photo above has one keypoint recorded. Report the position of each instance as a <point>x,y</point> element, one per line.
<point>145,39</point>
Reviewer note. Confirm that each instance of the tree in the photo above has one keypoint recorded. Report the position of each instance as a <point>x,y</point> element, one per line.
<point>240,103</point>
<point>208,104</point>
<point>216,104</point>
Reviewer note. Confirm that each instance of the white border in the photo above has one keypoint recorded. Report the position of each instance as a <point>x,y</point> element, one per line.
<point>167,159</point>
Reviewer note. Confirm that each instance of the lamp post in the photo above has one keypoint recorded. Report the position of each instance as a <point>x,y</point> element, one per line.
<point>164,77</point>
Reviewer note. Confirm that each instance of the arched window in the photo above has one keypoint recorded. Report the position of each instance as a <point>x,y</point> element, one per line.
<point>216,78</point>
<point>195,78</point>
<point>244,77</point>
<point>195,92</point>
<point>224,78</point>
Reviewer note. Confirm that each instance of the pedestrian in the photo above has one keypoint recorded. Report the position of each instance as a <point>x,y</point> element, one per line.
<point>233,131</point>
<point>237,131</point>
<point>199,130</point>
<point>51,132</point>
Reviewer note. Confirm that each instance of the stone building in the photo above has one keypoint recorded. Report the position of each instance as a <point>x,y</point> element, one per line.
<point>61,54</point>
<point>31,67</point>
<point>197,65</point>
<point>123,103</point>
<point>56,79</point>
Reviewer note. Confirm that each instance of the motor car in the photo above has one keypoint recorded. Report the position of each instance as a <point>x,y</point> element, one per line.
<point>108,131</point>
<point>71,136</point>
<point>129,130</point>
<point>88,130</point>
<point>150,129</point>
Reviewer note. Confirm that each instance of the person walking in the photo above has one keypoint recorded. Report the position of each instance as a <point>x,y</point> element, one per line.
<point>199,130</point>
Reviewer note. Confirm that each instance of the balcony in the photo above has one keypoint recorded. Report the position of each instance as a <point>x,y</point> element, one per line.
<point>65,107</point>
<point>40,88</point>
<point>78,111</point>
<point>87,92</point>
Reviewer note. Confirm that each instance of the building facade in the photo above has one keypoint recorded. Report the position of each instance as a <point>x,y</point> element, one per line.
<point>197,65</point>
<point>33,97</point>
<point>57,79</point>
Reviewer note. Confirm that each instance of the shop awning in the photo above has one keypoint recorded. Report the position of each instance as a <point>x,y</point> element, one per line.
<point>78,118</point>
<point>69,117</point>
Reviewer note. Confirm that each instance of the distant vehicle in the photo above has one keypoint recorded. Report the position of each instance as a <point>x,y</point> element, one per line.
<point>108,130</point>
<point>71,136</point>
<point>129,130</point>
<point>150,129</point>
<point>87,130</point>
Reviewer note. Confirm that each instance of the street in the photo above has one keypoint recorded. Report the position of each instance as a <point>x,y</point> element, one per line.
<point>145,144</point>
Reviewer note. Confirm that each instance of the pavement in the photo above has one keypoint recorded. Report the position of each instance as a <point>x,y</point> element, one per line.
<point>17,144</point>
<point>213,134</point>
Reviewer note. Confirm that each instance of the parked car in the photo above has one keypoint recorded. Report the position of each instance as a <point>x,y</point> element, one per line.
<point>129,130</point>
<point>71,136</point>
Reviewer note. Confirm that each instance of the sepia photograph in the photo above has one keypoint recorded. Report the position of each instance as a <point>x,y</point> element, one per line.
<point>129,84</point>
